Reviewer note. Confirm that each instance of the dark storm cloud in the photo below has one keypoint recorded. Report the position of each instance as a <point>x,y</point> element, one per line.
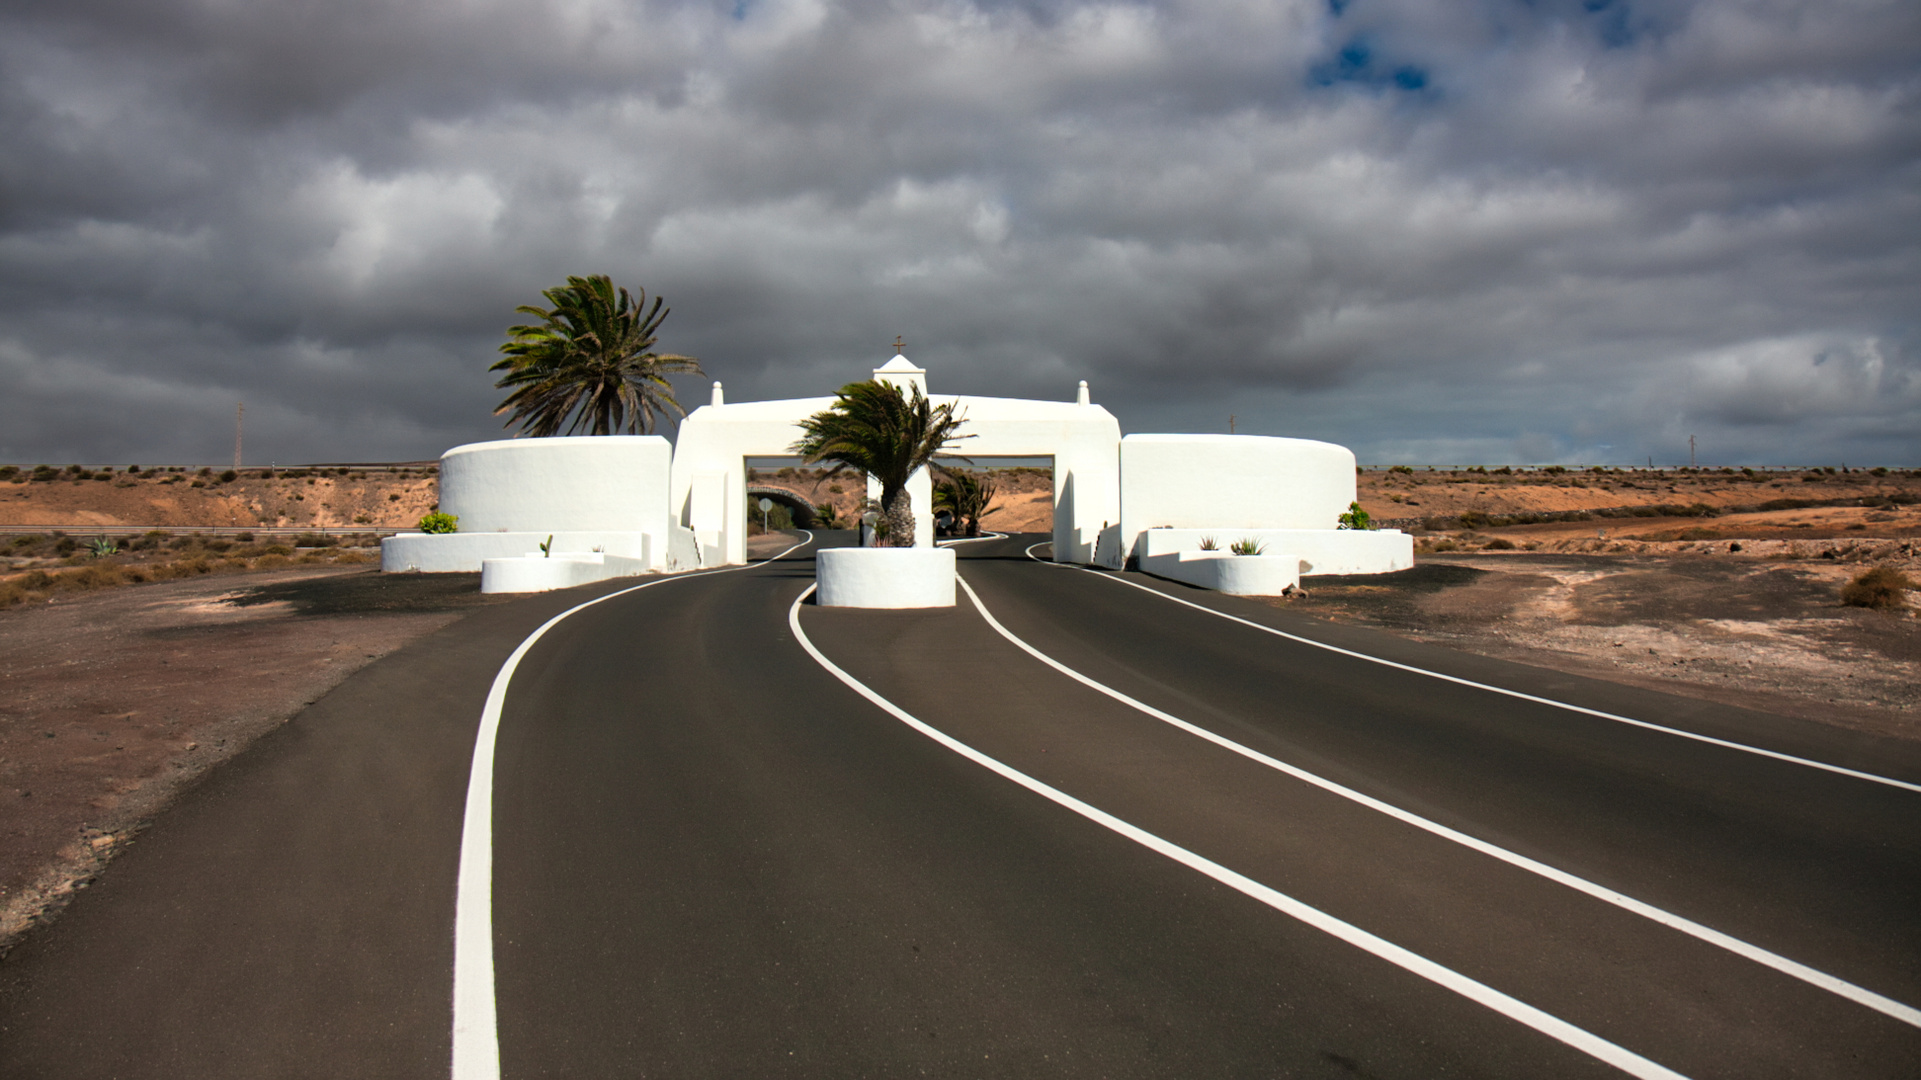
<point>1506,231</point>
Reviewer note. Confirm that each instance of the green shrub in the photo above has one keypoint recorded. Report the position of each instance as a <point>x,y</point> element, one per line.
<point>1409,469</point>
<point>229,476</point>
<point>1354,518</point>
<point>439,523</point>
<point>1882,588</point>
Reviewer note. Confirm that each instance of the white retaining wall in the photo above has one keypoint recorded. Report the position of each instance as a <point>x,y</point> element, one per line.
<point>1286,556</point>
<point>446,553</point>
<point>540,573</point>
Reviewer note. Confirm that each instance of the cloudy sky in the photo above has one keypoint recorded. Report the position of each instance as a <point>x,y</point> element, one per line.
<point>1487,231</point>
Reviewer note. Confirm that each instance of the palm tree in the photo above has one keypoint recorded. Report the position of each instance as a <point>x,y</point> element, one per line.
<point>589,358</point>
<point>875,428</point>
<point>967,495</point>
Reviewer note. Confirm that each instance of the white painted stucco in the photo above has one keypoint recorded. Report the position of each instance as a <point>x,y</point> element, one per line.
<point>709,488</point>
<point>1229,482</point>
<point>860,577</point>
<point>579,483</point>
<point>606,492</point>
<point>537,572</point>
<point>1239,575</point>
<point>463,552</point>
<point>1286,556</point>
<point>635,498</point>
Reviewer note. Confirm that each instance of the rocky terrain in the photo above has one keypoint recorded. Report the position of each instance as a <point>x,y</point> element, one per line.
<point>81,498</point>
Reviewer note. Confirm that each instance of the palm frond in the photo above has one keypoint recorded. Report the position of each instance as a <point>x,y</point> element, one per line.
<point>588,364</point>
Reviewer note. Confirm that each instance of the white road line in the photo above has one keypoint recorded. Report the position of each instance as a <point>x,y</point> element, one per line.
<point>1588,1043</point>
<point>971,539</point>
<point>476,1049</point>
<point>1813,977</point>
<point>1709,739</point>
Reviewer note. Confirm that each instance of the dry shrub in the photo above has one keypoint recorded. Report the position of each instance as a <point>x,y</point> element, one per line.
<point>1499,543</point>
<point>1882,588</point>
<point>271,562</point>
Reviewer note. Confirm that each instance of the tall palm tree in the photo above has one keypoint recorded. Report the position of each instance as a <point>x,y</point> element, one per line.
<point>589,358</point>
<point>875,428</point>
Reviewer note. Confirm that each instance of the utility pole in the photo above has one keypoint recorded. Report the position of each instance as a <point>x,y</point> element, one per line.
<point>1230,423</point>
<point>239,412</point>
<point>1690,451</point>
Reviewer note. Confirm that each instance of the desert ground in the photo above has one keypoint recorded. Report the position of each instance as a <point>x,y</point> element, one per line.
<point>229,605</point>
<point>76,497</point>
<point>1023,502</point>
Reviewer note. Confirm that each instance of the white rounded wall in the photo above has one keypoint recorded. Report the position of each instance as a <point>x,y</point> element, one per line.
<point>582,483</point>
<point>1232,482</point>
<point>914,577</point>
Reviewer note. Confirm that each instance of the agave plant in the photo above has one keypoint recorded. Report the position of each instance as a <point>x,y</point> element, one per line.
<point>875,428</point>
<point>588,365</point>
<point>100,547</point>
<point>1246,546</point>
<point>1208,544</point>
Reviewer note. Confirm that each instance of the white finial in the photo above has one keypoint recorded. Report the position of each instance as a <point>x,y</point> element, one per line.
<point>1082,398</point>
<point>718,399</point>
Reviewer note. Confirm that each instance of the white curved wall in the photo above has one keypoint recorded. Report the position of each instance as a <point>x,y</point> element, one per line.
<point>915,577</point>
<point>1228,482</point>
<point>581,483</point>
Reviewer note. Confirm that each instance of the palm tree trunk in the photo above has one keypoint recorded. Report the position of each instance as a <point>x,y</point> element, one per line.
<point>898,507</point>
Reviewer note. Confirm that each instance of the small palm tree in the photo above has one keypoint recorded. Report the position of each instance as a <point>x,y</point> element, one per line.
<point>589,359</point>
<point>875,428</point>
<point>966,494</point>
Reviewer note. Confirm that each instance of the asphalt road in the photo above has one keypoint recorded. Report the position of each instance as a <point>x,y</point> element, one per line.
<point>712,857</point>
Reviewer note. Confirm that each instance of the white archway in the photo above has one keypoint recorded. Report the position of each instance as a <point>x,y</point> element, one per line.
<point>709,484</point>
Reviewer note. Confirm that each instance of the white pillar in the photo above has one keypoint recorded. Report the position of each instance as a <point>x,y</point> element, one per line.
<point>1079,399</point>
<point>720,400</point>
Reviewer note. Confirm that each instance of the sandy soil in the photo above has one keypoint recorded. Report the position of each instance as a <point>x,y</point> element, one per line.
<point>116,701</point>
<point>1759,633</point>
<point>299,498</point>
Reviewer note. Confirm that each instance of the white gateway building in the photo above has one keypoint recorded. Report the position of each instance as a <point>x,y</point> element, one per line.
<point>610,506</point>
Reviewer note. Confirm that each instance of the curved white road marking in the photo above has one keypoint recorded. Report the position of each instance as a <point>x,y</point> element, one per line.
<point>476,1049</point>
<point>971,539</point>
<point>1812,976</point>
<point>1585,1041</point>
<point>1617,718</point>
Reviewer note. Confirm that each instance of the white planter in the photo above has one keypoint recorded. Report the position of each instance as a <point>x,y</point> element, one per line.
<point>885,577</point>
<point>564,570</point>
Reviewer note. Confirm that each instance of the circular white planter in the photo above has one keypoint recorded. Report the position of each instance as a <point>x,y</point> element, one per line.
<point>885,577</point>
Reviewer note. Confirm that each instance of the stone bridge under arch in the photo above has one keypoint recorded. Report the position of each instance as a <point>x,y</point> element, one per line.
<point>803,511</point>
